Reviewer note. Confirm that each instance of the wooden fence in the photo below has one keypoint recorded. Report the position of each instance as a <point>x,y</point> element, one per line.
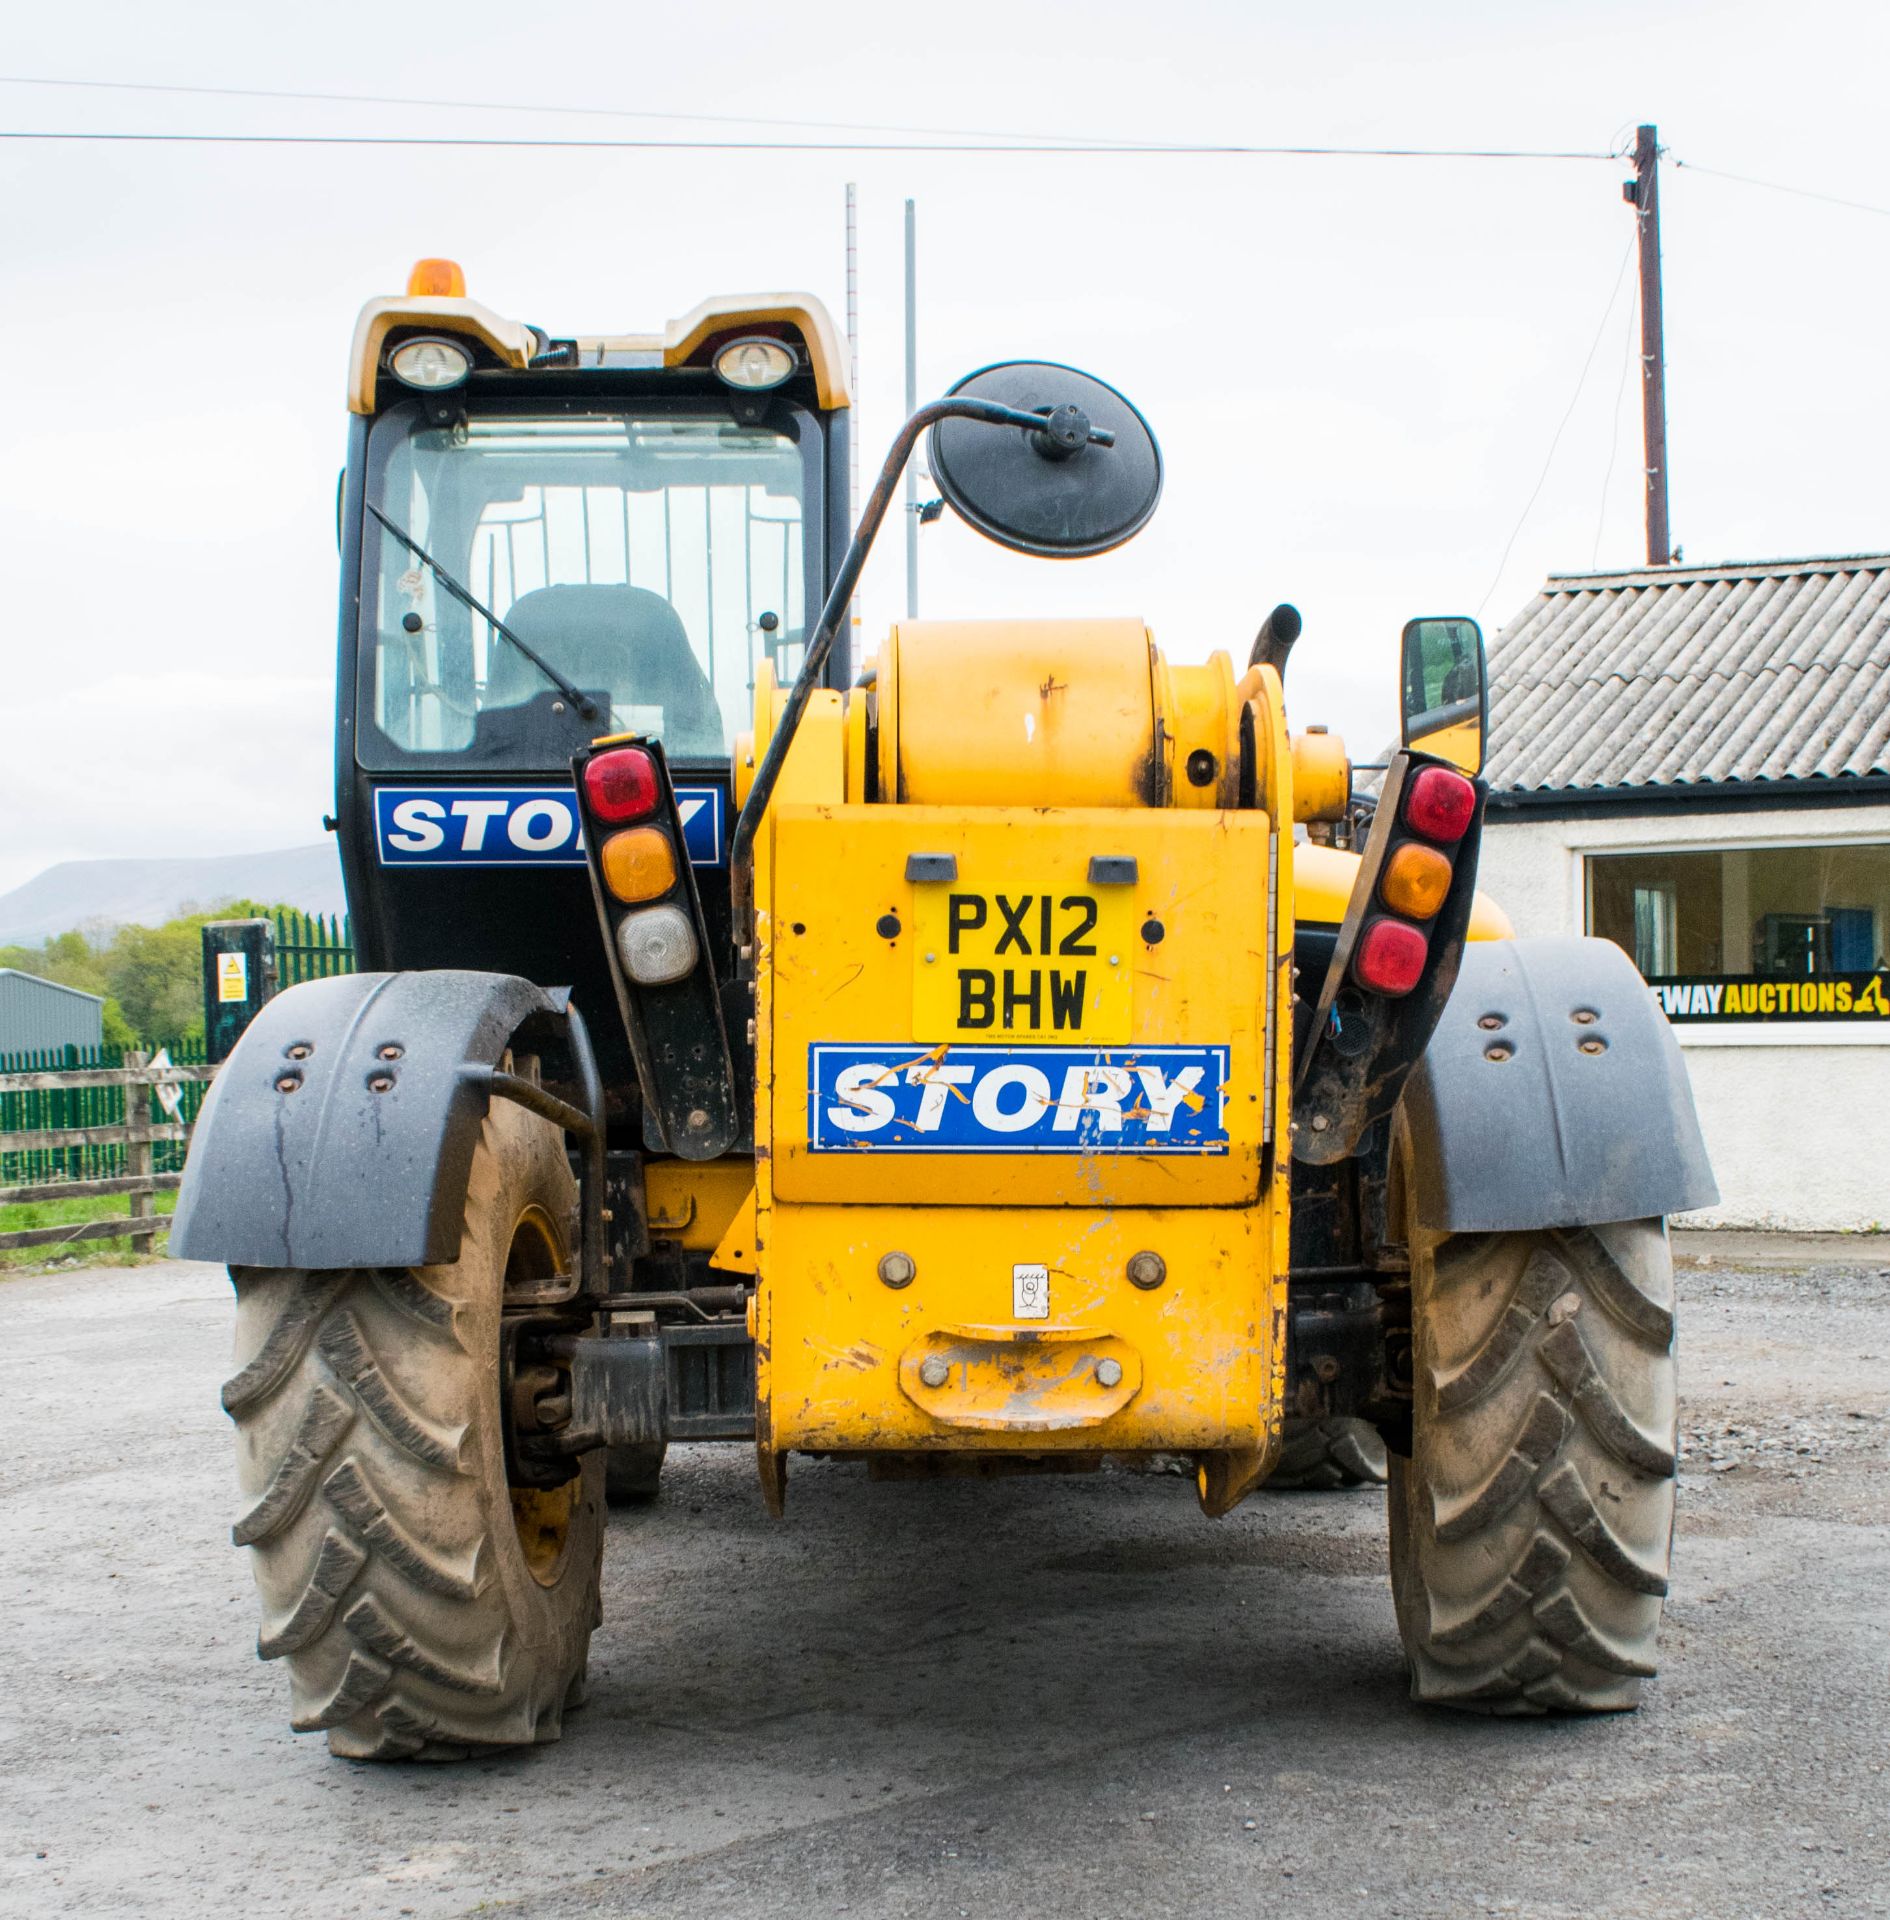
<point>74,1126</point>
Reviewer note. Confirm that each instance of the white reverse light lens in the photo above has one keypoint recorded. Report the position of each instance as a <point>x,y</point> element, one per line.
<point>657,946</point>
<point>430,364</point>
<point>754,363</point>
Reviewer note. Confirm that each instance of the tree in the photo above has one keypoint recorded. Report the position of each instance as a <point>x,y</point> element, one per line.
<point>151,978</point>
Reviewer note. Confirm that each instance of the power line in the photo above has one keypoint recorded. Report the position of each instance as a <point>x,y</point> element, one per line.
<point>1542,478</point>
<point>519,106</point>
<point>1210,151</point>
<point>1776,186</point>
<point>976,140</point>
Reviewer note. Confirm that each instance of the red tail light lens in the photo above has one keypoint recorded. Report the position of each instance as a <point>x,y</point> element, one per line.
<point>1439,804</point>
<point>1389,957</point>
<point>622,785</point>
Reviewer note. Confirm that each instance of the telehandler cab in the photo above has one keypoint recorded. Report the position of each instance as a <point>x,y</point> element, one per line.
<point>952,1060</point>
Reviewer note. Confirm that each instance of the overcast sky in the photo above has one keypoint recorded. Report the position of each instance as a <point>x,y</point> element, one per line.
<point>1356,367</point>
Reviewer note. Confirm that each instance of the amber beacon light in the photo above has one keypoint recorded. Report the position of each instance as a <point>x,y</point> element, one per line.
<point>436,280</point>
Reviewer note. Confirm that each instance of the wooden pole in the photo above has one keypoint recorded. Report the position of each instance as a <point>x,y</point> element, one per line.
<point>138,1164</point>
<point>1643,192</point>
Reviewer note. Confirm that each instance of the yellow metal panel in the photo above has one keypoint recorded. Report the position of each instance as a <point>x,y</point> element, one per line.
<point>694,1202</point>
<point>816,762</point>
<point>1037,963</point>
<point>1322,777</point>
<point>1202,716</point>
<point>859,743</point>
<point>735,1251</point>
<point>830,974</point>
<point>1488,921</point>
<point>886,699</point>
<point>845,1354</point>
<point>1021,713</point>
<point>1322,883</point>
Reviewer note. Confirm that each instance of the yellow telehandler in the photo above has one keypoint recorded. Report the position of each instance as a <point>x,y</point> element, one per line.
<point>1009,1051</point>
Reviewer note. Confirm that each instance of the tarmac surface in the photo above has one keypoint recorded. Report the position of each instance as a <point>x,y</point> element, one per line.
<point>1016,1698</point>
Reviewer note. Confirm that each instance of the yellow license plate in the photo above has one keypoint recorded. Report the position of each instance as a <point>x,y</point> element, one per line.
<point>1020,964</point>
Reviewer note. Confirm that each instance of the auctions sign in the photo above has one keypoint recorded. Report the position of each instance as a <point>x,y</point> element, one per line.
<point>1837,998</point>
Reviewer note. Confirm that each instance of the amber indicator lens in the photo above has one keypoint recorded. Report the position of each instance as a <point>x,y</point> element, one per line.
<point>1439,804</point>
<point>1389,957</point>
<point>622,785</point>
<point>1415,881</point>
<point>638,865</point>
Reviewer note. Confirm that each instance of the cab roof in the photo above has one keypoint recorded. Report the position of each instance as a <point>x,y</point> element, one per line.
<point>681,343</point>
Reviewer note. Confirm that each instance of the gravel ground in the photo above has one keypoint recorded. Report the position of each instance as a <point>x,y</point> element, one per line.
<point>1026,1697</point>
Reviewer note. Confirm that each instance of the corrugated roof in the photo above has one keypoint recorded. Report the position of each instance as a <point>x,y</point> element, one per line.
<point>1767,670</point>
<point>51,986</point>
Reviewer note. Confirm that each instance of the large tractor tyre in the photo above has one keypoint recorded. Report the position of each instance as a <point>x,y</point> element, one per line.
<point>1531,1528</point>
<point>1320,1456</point>
<point>428,1608</point>
<point>633,1475</point>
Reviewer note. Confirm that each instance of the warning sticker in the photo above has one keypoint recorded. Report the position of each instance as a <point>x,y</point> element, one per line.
<point>1030,1293</point>
<point>232,977</point>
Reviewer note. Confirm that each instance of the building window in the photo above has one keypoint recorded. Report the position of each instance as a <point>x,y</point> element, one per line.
<point>1711,931</point>
<point>1656,913</point>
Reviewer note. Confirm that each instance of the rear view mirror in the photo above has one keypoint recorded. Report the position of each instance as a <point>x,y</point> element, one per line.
<point>1446,690</point>
<point>1057,492</point>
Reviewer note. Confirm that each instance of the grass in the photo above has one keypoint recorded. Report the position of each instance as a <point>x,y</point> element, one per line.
<point>73,1213</point>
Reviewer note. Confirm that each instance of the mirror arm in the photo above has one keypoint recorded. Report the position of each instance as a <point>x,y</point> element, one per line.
<point>741,857</point>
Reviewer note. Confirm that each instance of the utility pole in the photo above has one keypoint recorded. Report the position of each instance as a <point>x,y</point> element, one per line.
<point>1642,193</point>
<point>912,407</point>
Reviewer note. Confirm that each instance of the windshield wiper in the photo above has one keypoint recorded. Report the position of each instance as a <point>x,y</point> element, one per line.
<point>582,701</point>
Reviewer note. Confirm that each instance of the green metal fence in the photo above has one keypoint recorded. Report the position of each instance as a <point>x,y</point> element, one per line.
<point>308,946</point>
<point>311,946</point>
<point>86,1111</point>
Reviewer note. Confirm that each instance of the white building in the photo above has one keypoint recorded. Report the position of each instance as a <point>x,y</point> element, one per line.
<point>1695,762</point>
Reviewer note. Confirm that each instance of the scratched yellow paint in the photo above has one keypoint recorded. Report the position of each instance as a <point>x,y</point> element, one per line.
<point>980,754</point>
<point>845,1350</point>
<point>833,976</point>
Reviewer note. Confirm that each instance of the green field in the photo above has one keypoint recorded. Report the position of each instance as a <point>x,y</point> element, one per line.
<point>73,1213</point>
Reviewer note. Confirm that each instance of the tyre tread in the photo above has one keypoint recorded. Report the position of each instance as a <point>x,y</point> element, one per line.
<point>1516,1592</point>
<point>329,1416</point>
<point>410,1623</point>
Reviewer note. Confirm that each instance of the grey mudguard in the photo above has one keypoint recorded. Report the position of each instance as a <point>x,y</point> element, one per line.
<point>1552,1135</point>
<point>333,1174</point>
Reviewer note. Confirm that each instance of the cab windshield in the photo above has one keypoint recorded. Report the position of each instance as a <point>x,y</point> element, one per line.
<point>652,554</point>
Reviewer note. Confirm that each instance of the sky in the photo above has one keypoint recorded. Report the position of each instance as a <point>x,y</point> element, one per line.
<point>1382,387</point>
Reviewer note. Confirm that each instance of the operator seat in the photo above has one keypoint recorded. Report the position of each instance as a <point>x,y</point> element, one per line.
<point>624,642</point>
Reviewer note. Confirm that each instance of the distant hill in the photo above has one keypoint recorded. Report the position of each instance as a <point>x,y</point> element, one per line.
<point>146,893</point>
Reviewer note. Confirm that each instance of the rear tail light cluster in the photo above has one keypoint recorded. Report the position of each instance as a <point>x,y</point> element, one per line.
<point>640,865</point>
<point>1434,814</point>
<point>622,785</point>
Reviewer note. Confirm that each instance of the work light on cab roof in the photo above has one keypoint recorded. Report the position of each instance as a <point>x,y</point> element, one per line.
<point>754,365</point>
<point>430,365</point>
